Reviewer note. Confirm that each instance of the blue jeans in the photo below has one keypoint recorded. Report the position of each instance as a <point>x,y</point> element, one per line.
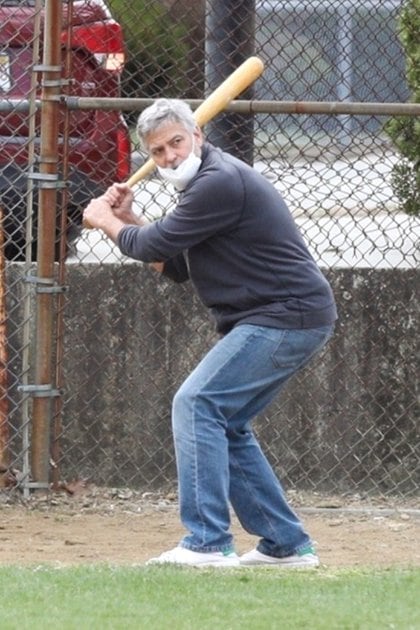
<point>219,460</point>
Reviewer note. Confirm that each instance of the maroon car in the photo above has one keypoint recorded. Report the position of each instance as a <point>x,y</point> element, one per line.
<point>98,141</point>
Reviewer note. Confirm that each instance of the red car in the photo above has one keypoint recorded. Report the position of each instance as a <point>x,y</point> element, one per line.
<point>99,143</point>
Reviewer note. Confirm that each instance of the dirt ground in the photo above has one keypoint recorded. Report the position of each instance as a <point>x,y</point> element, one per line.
<point>122,527</point>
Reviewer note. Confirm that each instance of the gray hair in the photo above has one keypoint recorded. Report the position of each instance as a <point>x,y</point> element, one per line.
<point>164,110</point>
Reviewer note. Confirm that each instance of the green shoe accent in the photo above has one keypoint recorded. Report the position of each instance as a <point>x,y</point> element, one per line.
<point>305,551</point>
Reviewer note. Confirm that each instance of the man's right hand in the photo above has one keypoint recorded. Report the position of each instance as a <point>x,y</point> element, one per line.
<point>120,197</point>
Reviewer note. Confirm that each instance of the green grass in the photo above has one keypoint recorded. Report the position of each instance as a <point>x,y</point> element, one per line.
<point>160,598</point>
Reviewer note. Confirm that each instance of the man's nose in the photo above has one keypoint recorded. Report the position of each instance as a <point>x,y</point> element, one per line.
<point>171,157</point>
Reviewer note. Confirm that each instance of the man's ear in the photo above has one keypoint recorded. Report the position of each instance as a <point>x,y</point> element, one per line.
<point>198,136</point>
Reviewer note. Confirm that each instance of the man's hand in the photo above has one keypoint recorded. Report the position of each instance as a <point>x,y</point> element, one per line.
<point>120,197</point>
<point>115,203</point>
<point>112,211</point>
<point>98,212</point>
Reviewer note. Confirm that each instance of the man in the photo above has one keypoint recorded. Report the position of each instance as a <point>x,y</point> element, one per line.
<point>233,236</point>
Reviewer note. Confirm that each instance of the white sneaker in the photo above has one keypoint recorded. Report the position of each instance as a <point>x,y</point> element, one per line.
<point>186,557</point>
<point>306,559</point>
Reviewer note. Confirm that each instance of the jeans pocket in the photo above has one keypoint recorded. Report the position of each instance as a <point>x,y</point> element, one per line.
<point>297,347</point>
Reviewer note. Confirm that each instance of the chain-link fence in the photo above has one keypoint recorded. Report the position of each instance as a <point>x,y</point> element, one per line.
<point>93,345</point>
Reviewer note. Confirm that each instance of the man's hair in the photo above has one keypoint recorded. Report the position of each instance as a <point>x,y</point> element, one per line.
<point>164,110</point>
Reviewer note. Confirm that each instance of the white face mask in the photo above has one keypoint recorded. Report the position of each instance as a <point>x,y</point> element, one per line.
<point>182,174</point>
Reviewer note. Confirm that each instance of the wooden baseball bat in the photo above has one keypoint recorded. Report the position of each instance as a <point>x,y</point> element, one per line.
<point>232,86</point>
<point>235,84</point>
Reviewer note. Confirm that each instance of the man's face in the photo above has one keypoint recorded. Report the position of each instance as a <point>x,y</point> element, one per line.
<point>171,143</point>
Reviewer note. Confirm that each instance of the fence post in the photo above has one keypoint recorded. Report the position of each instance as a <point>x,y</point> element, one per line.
<point>43,390</point>
<point>4,400</point>
<point>229,41</point>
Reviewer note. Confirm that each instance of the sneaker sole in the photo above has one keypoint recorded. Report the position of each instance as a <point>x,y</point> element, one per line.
<point>216,565</point>
<point>196,565</point>
<point>278,565</point>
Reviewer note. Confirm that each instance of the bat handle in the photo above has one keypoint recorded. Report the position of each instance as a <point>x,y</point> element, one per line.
<point>142,172</point>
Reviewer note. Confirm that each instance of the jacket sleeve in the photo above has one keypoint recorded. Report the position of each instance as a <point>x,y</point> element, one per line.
<point>212,204</point>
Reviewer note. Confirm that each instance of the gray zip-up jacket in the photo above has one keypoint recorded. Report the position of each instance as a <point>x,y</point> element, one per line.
<point>234,237</point>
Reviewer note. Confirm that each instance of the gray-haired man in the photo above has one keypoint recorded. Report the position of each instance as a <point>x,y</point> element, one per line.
<point>233,236</point>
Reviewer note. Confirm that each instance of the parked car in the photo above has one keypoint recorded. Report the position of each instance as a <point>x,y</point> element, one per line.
<point>98,141</point>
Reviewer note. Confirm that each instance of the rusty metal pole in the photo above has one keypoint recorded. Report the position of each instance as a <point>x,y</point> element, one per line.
<point>48,181</point>
<point>27,296</point>
<point>4,400</point>
<point>57,427</point>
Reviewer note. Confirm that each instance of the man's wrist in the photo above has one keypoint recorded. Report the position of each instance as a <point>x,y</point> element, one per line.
<point>112,226</point>
<point>141,220</point>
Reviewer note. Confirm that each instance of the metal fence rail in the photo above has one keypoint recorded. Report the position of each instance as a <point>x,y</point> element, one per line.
<point>74,328</point>
<point>251,107</point>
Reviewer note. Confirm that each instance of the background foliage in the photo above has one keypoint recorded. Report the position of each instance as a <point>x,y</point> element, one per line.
<point>405,131</point>
<point>157,50</point>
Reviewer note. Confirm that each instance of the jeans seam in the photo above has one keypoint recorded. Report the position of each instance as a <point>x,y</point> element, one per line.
<point>251,493</point>
<point>196,488</point>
